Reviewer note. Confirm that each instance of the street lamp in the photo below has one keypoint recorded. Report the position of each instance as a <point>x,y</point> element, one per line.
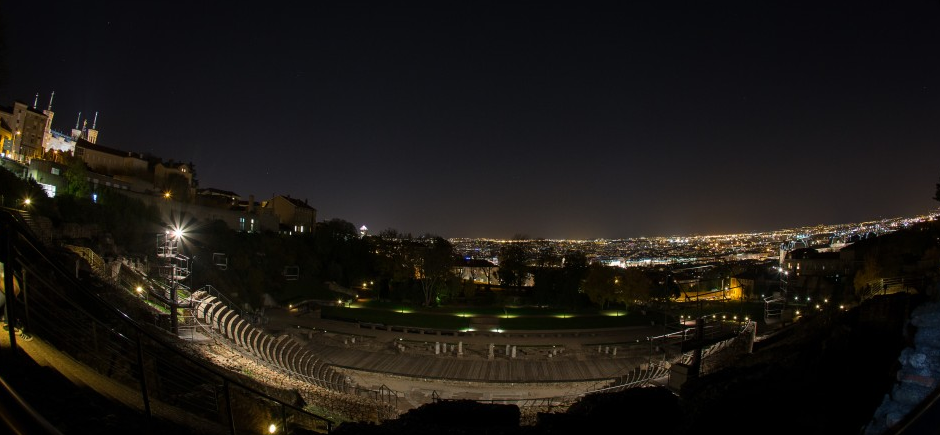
<point>172,244</point>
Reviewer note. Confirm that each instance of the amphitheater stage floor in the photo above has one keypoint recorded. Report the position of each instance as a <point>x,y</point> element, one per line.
<point>420,365</point>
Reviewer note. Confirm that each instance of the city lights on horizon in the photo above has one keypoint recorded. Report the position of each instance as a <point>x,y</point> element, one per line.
<point>795,232</point>
<point>665,251</point>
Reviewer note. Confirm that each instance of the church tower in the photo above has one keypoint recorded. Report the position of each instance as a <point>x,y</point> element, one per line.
<point>91,135</point>
<point>76,133</point>
<point>47,133</point>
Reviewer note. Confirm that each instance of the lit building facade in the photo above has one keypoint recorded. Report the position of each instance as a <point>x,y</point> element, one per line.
<point>109,160</point>
<point>294,215</point>
<point>28,127</point>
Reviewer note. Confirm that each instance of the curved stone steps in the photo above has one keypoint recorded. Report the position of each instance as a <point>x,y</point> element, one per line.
<point>283,351</point>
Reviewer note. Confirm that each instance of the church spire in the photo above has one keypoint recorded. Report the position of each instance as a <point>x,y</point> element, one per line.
<point>36,100</point>
<point>95,122</point>
<point>50,101</point>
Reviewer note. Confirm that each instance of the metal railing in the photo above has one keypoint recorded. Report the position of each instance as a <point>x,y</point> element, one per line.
<point>891,285</point>
<point>16,411</point>
<point>93,260</point>
<point>153,376</point>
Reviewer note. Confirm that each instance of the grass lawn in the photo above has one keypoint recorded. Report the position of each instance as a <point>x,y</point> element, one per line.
<point>536,318</point>
<point>508,319</point>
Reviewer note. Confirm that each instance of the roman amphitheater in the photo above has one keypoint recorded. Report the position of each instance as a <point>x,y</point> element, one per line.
<point>375,372</point>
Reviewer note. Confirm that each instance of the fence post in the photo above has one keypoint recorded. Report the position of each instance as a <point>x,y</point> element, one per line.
<point>25,306</point>
<point>8,284</point>
<point>143,380</point>
<point>228,406</point>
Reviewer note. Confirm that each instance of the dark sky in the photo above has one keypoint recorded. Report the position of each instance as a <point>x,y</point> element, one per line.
<point>492,119</point>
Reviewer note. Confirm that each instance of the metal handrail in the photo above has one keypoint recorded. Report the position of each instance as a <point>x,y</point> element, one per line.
<point>21,243</point>
<point>18,416</point>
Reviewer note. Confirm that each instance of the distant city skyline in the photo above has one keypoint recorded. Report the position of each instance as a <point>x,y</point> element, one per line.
<point>692,252</point>
<point>496,119</point>
<point>792,231</point>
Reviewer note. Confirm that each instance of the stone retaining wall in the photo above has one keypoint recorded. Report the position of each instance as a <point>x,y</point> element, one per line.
<point>920,370</point>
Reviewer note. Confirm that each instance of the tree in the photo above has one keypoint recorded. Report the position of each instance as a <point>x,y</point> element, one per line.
<point>664,286</point>
<point>575,261</point>
<point>512,265</point>
<point>76,177</point>
<point>192,172</point>
<point>337,229</point>
<point>546,285</point>
<point>561,286</point>
<point>602,284</point>
<point>340,253</point>
<point>434,267</point>
<point>12,187</point>
<point>395,260</point>
<point>605,284</point>
<point>636,286</point>
<point>574,270</point>
<point>389,233</point>
<point>547,258</point>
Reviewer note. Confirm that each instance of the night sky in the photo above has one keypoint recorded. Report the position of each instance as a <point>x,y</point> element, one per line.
<point>495,119</point>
